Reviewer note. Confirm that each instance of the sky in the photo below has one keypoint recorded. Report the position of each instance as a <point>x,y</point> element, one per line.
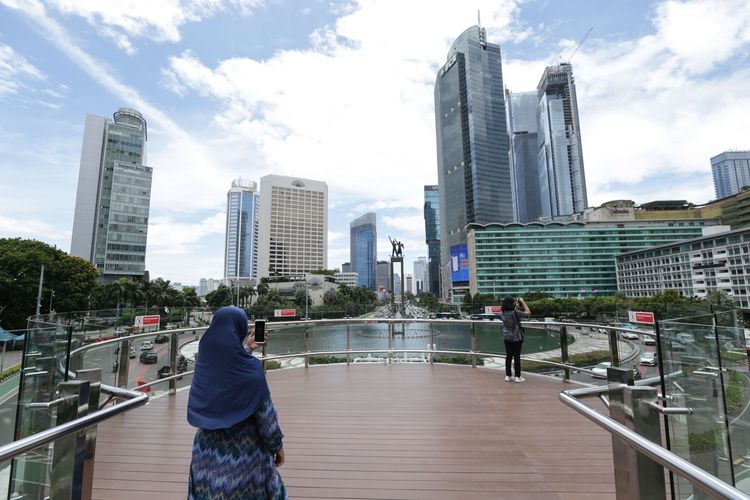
<point>342,92</point>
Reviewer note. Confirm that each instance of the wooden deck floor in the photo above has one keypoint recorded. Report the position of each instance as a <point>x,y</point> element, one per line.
<point>399,431</point>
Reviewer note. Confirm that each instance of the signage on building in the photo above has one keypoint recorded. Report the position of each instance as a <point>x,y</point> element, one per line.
<point>153,319</point>
<point>459,263</point>
<point>493,309</point>
<point>284,313</point>
<point>641,317</point>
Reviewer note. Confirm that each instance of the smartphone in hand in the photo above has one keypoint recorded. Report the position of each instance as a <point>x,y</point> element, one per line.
<point>260,331</point>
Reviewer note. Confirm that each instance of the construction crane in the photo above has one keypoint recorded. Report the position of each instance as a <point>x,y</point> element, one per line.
<point>579,45</point>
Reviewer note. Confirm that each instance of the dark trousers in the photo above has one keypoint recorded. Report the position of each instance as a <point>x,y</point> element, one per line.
<point>513,353</point>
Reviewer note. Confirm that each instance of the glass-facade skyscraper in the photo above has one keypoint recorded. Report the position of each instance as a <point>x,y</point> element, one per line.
<point>562,179</point>
<point>432,238</point>
<point>472,144</point>
<point>241,243</point>
<point>363,248</point>
<point>731,171</point>
<point>524,145</point>
<point>110,224</point>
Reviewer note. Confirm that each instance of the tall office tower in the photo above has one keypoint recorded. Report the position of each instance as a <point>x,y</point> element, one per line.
<point>363,248</point>
<point>472,143</point>
<point>202,287</point>
<point>731,171</point>
<point>562,180</point>
<point>409,286</point>
<point>293,226</point>
<point>241,243</point>
<point>114,195</point>
<point>524,146</point>
<point>383,275</point>
<point>346,267</point>
<point>432,238</point>
<point>420,275</point>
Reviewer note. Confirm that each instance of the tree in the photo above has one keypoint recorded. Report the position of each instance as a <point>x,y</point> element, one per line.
<point>326,272</point>
<point>262,289</point>
<point>719,298</point>
<point>73,280</point>
<point>220,297</point>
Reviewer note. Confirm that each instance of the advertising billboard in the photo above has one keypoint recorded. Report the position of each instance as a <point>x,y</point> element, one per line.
<point>459,263</point>
<point>284,313</point>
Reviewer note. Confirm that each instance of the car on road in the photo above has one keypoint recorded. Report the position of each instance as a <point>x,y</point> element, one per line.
<point>629,335</point>
<point>132,352</point>
<point>161,339</point>
<point>600,370</point>
<point>649,340</point>
<point>164,371</point>
<point>149,358</point>
<point>147,345</point>
<point>649,358</point>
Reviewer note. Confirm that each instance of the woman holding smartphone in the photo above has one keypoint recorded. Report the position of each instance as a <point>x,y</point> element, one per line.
<point>513,310</point>
<point>238,445</point>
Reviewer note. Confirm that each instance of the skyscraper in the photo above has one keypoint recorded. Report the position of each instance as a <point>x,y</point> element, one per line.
<point>292,226</point>
<point>472,143</point>
<point>562,179</point>
<point>383,275</point>
<point>241,243</point>
<point>420,275</point>
<point>731,171</point>
<point>363,248</point>
<point>110,224</point>
<point>432,237</point>
<point>524,145</point>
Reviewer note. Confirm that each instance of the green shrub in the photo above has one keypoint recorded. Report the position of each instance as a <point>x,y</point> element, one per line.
<point>325,360</point>
<point>272,364</point>
<point>735,392</point>
<point>456,359</point>
<point>10,371</point>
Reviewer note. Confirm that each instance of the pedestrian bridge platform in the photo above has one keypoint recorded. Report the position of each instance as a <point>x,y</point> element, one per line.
<point>384,432</point>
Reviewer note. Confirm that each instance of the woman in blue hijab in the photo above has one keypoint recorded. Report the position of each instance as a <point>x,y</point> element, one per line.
<point>238,445</point>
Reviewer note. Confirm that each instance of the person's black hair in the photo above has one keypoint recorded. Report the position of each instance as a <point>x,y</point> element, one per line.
<point>509,303</point>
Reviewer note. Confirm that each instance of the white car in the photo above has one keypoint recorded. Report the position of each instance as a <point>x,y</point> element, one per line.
<point>649,340</point>
<point>629,335</point>
<point>147,345</point>
<point>600,370</point>
<point>649,358</point>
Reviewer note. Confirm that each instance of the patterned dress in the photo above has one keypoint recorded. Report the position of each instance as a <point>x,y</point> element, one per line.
<point>237,463</point>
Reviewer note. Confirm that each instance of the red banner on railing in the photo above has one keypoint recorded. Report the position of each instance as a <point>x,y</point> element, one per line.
<point>153,319</point>
<point>641,317</point>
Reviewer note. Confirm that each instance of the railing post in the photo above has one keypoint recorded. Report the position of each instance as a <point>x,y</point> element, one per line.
<point>391,329</point>
<point>173,348</point>
<point>94,376</point>
<point>306,346</point>
<point>613,347</point>
<point>637,477</point>
<point>473,345</point>
<point>429,347</point>
<point>564,352</point>
<point>263,352</point>
<point>348,342</point>
<point>69,453</point>
<point>123,367</point>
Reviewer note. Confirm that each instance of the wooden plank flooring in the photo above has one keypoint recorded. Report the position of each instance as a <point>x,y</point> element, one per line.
<point>379,431</point>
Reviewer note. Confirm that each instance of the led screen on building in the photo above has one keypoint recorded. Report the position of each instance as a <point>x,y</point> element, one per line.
<point>459,263</point>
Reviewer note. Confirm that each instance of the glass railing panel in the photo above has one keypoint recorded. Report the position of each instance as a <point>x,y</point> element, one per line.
<point>366,336</point>
<point>449,335</point>
<point>694,380</point>
<point>327,337</point>
<point>284,338</point>
<point>733,352</point>
<point>413,336</point>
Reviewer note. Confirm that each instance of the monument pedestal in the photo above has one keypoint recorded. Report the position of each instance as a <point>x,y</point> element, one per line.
<point>394,260</point>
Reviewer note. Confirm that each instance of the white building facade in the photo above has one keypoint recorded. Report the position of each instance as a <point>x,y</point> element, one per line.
<point>292,226</point>
<point>348,279</point>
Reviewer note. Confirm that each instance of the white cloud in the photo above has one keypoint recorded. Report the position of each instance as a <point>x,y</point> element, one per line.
<point>158,20</point>
<point>12,227</point>
<point>168,237</point>
<point>335,236</point>
<point>412,223</point>
<point>15,70</point>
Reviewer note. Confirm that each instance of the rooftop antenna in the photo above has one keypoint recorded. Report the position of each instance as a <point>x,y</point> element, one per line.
<point>579,45</point>
<point>479,18</point>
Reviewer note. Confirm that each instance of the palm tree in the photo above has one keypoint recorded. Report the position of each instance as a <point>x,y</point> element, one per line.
<point>262,289</point>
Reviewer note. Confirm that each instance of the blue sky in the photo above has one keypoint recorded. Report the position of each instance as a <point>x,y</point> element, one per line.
<point>343,92</point>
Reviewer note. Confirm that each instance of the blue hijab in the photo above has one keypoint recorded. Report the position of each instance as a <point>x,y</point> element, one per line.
<point>228,384</point>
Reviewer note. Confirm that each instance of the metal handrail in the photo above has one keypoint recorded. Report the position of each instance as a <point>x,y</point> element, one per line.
<point>134,400</point>
<point>698,477</point>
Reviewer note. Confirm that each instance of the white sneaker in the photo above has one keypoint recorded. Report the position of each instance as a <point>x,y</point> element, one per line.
<point>508,379</point>
<point>519,380</point>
